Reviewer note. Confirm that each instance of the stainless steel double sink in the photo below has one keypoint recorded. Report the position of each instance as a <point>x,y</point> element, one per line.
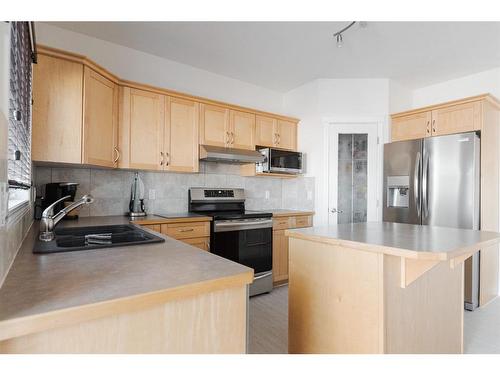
<point>95,237</point>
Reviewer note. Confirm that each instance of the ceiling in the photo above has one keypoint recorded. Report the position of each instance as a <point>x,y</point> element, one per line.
<point>283,55</point>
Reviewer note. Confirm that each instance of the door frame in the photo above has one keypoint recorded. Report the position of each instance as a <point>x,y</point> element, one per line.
<point>330,125</point>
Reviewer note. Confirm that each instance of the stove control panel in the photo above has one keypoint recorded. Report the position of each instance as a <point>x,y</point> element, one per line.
<point>219,193</point>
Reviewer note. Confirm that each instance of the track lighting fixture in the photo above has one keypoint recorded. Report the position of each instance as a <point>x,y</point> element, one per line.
<point>338,34</point>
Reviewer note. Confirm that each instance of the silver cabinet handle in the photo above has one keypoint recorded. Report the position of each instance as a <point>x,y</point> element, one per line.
<point>228,139</point>
<point>428,127</point>
<point>416,180</point>
<point>186,230</point>
<point>433,126</point>
<point>117,156</point>
<point>232,138</point>
<point>279,138</point>
<point>168,159</point>
<point>161,158</point>
<point>335,211</point>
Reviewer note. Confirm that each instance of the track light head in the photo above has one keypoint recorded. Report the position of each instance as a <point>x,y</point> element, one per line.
<point>340,43</point>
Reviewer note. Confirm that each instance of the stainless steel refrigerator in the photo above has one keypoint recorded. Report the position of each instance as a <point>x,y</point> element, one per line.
<point>436,181</point>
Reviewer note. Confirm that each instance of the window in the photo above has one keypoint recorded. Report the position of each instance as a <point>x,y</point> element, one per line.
<point>19,143</point>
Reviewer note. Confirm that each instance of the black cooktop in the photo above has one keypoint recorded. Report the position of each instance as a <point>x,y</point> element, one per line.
<point>232,215</point>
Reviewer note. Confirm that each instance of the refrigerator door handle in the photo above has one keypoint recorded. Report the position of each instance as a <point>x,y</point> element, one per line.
<point>416,185</point>
<point>425,188</point>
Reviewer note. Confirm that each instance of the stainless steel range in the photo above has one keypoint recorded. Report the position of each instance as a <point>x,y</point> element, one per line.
<point>237,234</point>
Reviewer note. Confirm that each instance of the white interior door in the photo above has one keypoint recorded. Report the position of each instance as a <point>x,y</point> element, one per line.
<point>352,172</point>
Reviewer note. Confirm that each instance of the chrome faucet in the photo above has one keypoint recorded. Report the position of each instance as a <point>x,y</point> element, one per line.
<point>49,220</point>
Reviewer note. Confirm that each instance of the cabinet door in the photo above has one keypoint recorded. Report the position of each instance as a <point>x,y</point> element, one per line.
<point>214,125</point>
<point>57,110</point>
<point>100,120</point>
<point>287,135</point>
<point>181,135</point>
<point>242,130</point>
<point>141,129</point>
<point>411,127</point>
<point>265,131</point>
<point>456,119</point>
<point>280,256</point>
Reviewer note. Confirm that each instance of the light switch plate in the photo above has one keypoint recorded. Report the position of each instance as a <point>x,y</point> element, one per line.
<point>152,194</point>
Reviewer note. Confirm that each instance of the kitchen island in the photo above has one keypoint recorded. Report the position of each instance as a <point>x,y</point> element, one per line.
<point>166,297</point>
<point>379,287</point>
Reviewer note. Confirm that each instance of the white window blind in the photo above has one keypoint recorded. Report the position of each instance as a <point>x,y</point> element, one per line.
<point>19,144</point>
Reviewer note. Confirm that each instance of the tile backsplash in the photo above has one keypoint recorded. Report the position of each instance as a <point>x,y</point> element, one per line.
<point>169,191</point>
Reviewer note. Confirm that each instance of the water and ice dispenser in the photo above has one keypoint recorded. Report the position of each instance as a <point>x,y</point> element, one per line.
<point>398,188</point>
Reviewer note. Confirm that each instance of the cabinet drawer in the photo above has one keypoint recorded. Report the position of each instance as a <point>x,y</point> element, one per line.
<point>201,242</point>
<point>302,221</point>
<point>182,230</point>
<point>280,223</point>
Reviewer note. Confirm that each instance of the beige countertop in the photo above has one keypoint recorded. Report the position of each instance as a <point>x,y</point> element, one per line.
<point>406,240</point>
<point>165,218</point>
<point>42,291</point>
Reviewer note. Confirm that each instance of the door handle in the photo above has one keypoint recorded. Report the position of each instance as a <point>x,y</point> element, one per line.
<point>416,180</point>
<point>425,190</point>
<point>117,155</point>
<point>335,211</point>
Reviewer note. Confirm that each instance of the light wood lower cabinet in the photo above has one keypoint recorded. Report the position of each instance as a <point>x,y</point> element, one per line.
<point>280,243</point>
<point>196,234</point>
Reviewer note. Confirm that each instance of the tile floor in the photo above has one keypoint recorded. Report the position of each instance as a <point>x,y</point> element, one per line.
<point>269,325</point>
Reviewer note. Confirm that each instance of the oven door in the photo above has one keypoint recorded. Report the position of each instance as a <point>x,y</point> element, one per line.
<point>246,241</point>
<point>283,161</point>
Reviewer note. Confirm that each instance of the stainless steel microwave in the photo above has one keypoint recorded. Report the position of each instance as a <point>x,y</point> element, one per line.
<point>280,161</point>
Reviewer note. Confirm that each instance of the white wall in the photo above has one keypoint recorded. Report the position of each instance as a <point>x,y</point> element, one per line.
<point>333,99</point>
<point>474,84</point>
<point>142,67</point>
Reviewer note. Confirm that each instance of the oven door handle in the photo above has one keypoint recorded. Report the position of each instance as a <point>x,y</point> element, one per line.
<point>262,275</point>
<point>233,226</point>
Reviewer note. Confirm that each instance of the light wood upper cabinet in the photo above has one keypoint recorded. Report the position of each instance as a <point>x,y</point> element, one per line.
<point>242,130</point>
<point>100,120</point>
<point>456,119</point>
<point>181,135</point>
<point>265,131</point>
<point>142,122</point>
<point>411,127</point>
<point>57,110</point>
<point>287,135</point>
<point>214,125</point>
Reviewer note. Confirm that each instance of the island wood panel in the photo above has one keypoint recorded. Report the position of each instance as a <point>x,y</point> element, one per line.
<point>141,129</point>
<point>265,131</point>
<point>427,315</point>
<point>181,135</point>
<point>280,256</point>
<point>335,299</point>
<point>490,193</point>
<point>199,242</point>
<point>57,110</point>
<point>456,119</point>
<point>287,135</point>
<point>213,322</point>
<point>214,125</point>
<point>411,127</point>
<point>155,227</point>
<point>100,120</point>
<point>242,130</point>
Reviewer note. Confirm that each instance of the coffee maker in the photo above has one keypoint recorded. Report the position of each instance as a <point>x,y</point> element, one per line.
<point>55,191</point>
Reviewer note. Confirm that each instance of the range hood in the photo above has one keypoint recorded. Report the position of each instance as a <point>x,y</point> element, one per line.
<point>230,155</point>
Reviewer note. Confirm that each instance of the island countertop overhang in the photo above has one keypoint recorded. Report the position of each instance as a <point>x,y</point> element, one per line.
<point>403,240</point>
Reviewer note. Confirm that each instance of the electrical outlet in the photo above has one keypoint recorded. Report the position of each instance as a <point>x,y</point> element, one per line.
<point>268,194</point>
<point>152,194</point>
<point>309,195</point>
